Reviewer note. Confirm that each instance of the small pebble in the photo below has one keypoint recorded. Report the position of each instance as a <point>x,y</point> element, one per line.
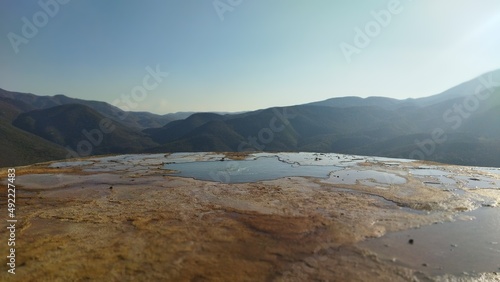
<point>424,264</point>
<point>410,241</point>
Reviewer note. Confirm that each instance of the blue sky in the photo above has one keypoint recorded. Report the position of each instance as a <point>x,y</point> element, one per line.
<point>258,54</point>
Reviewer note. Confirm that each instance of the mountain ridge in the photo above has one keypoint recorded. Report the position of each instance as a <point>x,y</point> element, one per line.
<point>76,126</point>
<point>448,127</point>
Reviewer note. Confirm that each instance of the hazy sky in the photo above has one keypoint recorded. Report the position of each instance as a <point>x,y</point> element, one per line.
<point>238,55</point>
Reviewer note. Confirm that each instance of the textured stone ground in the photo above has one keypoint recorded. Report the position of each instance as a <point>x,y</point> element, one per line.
<point>123,219</point>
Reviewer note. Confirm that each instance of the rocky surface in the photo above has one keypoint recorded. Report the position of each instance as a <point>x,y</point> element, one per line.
<point>126,218</point>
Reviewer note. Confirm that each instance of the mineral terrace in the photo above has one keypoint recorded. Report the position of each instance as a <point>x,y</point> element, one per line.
<point>128,218</point>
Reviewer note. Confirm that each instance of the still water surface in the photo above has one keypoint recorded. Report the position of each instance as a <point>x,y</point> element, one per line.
<point>450,247</point>
<point>260,169</point>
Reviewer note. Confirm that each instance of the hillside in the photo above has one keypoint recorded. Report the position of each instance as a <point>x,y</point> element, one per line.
<point>21,148</point>
<point>18,147</point>
<point>467,128</point>
<point>138,120</point>
<point>459,126</point>
<point>74,125</point>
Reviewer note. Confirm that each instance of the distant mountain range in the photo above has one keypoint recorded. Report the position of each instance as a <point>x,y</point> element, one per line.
<point>458,126</point>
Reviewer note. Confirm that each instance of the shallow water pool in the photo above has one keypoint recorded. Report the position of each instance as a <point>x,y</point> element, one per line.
<point>365,177</point>
<point>450,247</point>
<point>260,169</point>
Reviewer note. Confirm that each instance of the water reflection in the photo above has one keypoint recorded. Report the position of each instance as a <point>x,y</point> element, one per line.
<point>260,169</point>
<point>451,247</point>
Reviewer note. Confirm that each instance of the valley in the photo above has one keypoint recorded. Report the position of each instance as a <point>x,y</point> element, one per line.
<point>455,127</point>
